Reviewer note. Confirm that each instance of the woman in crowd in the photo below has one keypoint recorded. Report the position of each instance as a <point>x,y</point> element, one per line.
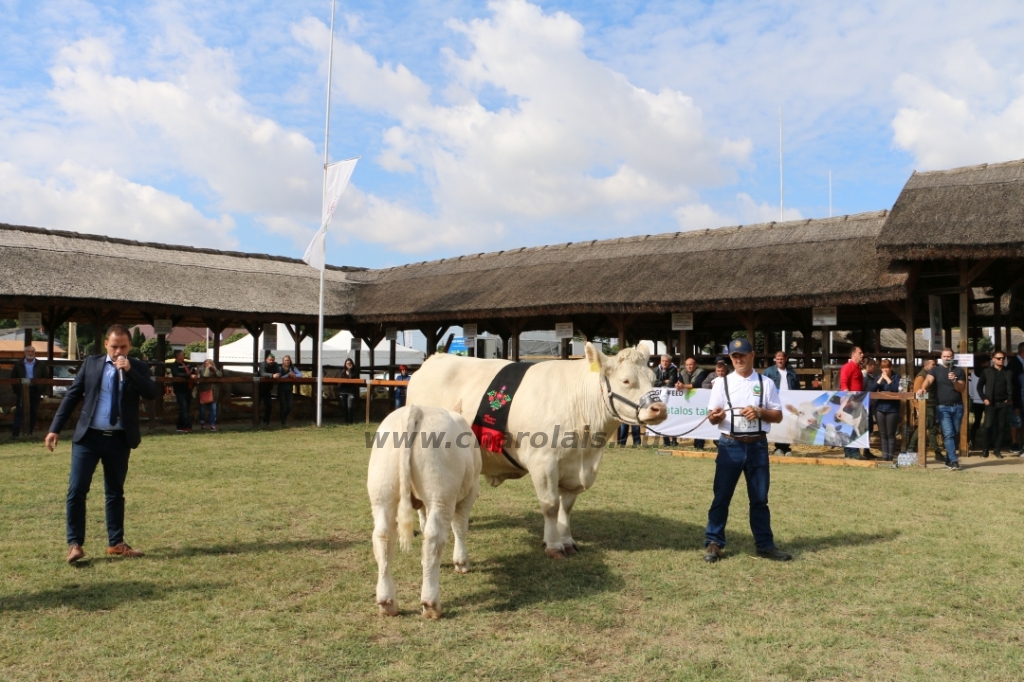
<point>887,412</point>
<point>347,392</point>
<point>209,396</point>
<point>285,390</point>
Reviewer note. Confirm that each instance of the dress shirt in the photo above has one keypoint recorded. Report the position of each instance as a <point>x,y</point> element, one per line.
<point>101,417</point>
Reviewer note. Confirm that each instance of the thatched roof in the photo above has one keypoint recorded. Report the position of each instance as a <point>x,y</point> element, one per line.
<point>94,270</point>
<point>771,266</point>
<point>972,212</point>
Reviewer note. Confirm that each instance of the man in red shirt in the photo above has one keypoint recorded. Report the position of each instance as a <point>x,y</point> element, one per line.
<point>852,379</point>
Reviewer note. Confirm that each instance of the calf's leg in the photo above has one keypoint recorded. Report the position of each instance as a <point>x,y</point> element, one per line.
<point>385,531</point>
<point>435,536</point>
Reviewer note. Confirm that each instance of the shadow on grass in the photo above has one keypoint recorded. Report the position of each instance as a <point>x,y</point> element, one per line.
<point>97,597</point>
<point>814,544</point>
<point>521,579</point>
<point>252,548</point>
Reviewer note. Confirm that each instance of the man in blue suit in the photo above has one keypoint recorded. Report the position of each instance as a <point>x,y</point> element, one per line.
<point>109,388</point>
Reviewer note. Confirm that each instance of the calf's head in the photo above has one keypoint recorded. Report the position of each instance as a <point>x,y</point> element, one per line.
<point>628,376</point>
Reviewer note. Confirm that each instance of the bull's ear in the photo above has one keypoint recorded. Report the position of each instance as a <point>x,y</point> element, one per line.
<point>595,357</point>
<point>645,352</point>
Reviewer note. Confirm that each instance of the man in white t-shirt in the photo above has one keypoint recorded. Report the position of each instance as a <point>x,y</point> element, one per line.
<point>743,405</point>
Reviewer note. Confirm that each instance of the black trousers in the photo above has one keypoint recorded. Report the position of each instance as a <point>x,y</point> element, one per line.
<point>977,410</point>
<point>888,426</point>
<point>267,398</point>
<point>111,449</point>
<point>284,404</point>
<point>996,415</point>
<point>34,397</point>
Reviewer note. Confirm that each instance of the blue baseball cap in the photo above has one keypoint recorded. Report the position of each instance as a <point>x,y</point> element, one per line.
<point>740,346</point>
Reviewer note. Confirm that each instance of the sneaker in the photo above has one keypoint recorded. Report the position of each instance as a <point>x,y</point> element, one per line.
<point>180,431</point>
<point>953,466</point>
<point>985,454</point>
<point>998,455</point>
<point>939,457</point>
<point>712,553</point>
<point>213,427</point>
<point>868,455</point>
<point>122,549</point>
<point>775,554</point>
<point>1016,449</point>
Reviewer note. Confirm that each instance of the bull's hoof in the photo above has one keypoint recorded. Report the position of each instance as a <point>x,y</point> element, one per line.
<point>494,481</point>
<point>570,549</point>
<point>431,610</point>
<point>387,608</point>
<point>555,553</point>
<point>461,566</point>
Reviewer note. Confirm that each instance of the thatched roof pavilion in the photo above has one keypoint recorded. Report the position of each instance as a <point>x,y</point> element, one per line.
<point>975,212</point>
<point>950,232</point>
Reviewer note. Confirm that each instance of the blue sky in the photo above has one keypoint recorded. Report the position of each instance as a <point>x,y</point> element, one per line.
<point>486,126</point>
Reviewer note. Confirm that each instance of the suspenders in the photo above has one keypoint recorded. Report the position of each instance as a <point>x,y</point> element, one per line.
<point>760,403</point>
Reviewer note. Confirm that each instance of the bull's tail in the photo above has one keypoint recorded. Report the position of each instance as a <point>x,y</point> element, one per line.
<point>406,514</point>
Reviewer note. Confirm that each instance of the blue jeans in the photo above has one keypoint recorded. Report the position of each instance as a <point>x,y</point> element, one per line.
<point>208,413</point>
<point>184,399</point>
<point>750,460</point>
<point>113,451</point>
<point>624,430</point>
<point>950,417</point>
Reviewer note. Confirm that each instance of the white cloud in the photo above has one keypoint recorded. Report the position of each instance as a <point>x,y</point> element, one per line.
<point>968,113</point>
<point>745,211</point>
<point>101,202</point>
<point>573,141</point>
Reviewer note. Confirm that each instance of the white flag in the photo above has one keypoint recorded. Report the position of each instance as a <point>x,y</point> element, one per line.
<point>338,175</point>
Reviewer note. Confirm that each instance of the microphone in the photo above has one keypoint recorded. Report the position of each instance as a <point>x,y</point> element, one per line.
<point>120,372</point>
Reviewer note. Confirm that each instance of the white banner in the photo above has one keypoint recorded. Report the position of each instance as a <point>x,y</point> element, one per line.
<point>338,175</point>
<point>825,418</point>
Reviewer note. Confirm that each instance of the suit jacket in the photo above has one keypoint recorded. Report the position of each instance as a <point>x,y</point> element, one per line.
<point>989,379</point>
<point>41,371</point>
<point>86,390</point>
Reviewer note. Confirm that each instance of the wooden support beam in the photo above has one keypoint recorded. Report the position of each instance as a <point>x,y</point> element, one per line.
<point>908,321</point>
<point>975,271</point>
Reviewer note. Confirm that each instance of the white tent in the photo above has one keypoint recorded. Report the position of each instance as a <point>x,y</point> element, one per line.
<point>237,356</point>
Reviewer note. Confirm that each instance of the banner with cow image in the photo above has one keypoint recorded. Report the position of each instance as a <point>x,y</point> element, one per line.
<point>825,418</point>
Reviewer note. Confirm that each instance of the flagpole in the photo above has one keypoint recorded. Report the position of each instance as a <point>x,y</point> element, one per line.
<point>320,325</point>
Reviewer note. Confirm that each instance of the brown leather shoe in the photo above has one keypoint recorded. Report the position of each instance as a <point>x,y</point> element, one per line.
<point>121,549</point>
<point>75,553</point>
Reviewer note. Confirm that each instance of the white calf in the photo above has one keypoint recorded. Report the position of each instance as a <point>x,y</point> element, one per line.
<point>422,457</point>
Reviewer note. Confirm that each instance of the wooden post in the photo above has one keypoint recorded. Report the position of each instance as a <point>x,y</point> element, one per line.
<point>684,349</point>
<point>369,390</point>
<point>922,431</point>
<point>216,347</point>
<point>317,335</point>
<point>26,406</point>
<point>564,353</point>
<point>392,353</point>
<point>964,333</point>
<point>909,326</point>
<point>826,357</point>
<point>256,402</point>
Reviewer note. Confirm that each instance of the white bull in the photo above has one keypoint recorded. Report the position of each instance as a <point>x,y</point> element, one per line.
<point>423,457</point>
<point>562,416</point>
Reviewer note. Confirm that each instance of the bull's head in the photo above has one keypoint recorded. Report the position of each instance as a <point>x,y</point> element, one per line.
<point>629,377</point>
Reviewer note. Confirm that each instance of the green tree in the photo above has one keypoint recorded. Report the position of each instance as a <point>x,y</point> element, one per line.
<point>195,347</point>
<point>148,348</point>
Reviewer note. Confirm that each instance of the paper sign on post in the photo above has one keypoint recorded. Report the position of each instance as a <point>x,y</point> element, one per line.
<point>824,316</point>
<point>564,330</point>
<point>30,320</point>
<point>964,359</point>
<point>682,322</point>
<point>162,327</point>
<point>391,333</point>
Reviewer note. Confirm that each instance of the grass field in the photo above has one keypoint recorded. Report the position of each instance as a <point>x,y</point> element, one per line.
<point>259,566</point>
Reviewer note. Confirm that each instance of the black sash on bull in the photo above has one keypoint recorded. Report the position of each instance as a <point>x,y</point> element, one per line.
<point>491,422</point>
